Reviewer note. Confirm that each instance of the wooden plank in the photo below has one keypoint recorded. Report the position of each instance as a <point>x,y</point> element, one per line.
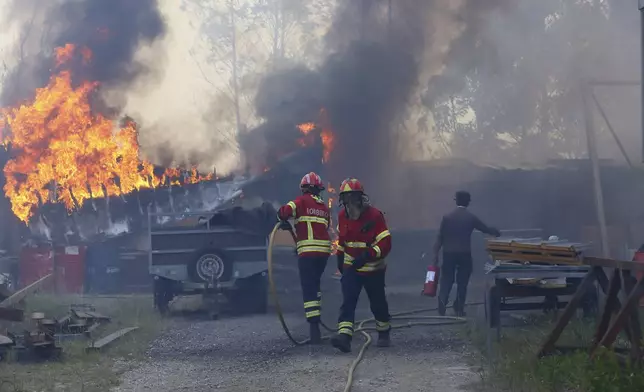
<point>612,263</point>
<point>611,306</point>
<point>546,259</point>
<point>602,279</point>
<point>25,292</point>
<point>535,252</point>
<point>620,320</point>
<point>105,341</point>
<point>604,284</point>
<point>635,336</point>
<point>549,345</point>
<point>11,314</point>
<point>513,249</point>
<point>564,246</point>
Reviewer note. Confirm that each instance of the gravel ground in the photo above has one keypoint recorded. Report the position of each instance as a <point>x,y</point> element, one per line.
<point>253,354</point>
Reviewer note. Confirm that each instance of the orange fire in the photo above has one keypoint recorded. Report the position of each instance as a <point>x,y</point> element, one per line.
<point>306,128</point>
<point>328,142</point>
<point>326,135</point>
<point>333,231</point>
<point>62,151</point>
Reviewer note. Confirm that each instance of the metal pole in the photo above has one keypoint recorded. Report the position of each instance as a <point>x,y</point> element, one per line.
<point>592,153</point>
<point>363,18</point>
<point>641,8</point>
<point>235,76</point>
<point>389,19</point>
<point>610,127</point>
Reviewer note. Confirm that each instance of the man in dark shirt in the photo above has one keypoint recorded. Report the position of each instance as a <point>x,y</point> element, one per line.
<point>454,237</point>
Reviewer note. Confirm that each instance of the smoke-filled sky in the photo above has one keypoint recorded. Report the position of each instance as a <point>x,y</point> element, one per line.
<point>374,77</point>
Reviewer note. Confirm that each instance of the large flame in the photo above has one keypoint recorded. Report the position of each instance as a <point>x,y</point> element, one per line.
<point>62,151</point>
<point>326,135</point>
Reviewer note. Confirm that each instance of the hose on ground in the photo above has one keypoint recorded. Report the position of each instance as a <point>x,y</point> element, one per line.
<point>273,289</point>
<point>364,330</point>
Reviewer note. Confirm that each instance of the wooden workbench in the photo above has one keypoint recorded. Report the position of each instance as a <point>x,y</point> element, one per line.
<point>504,271</point>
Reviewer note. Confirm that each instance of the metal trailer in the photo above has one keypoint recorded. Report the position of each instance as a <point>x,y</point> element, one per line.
<point>223,263</point>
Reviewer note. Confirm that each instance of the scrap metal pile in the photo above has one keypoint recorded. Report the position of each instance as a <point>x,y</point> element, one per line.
<point>39,337</point>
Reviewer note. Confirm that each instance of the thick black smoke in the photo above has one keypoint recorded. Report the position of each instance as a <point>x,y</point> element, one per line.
<point>377,53</point>
<point>112,29</point>
<point>363,84</point>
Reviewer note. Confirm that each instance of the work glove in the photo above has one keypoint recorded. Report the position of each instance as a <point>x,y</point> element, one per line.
<point>496,232</point>
<point>361,260</point>
<point>284,225</point>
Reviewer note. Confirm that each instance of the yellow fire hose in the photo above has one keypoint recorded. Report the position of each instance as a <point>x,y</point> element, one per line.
<point>408,315</point>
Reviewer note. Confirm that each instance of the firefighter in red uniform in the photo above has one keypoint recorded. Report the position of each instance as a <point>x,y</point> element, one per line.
<point>363,243</point>
<point>311,218</point>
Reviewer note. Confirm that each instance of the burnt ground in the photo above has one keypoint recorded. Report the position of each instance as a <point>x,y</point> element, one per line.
<point>252,353</point>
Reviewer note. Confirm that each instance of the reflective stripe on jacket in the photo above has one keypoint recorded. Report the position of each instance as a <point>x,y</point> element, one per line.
<point>368,234</point>
<point>311,219</point>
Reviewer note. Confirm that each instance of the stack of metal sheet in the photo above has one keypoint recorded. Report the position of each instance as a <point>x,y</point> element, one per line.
<point>536,250</point>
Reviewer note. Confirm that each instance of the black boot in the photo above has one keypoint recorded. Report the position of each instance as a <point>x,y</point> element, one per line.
<point>314,333</point>
<point>441,308</point>
<point>342,342</point>
<point>458,309</point>
<point>383,339</point>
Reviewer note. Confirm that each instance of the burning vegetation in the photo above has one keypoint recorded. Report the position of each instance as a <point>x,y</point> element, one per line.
<point>61,150</point>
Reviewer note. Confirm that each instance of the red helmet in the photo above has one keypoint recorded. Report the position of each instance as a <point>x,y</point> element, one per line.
<point>312,180</point>
<point>351,185</point>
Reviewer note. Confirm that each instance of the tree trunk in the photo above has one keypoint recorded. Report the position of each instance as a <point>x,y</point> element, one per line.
<point>276,29</point>
<point>235,81</point>
<point>282,29</point>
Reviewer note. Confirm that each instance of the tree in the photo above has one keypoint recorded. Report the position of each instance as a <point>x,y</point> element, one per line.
<point>525,73</point>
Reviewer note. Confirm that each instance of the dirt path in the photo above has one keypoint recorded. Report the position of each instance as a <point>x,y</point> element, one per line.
<point>250,354</point>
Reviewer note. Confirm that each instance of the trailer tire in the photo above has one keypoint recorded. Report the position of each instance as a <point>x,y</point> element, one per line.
<point>209,265</point>
<point>251,294</point>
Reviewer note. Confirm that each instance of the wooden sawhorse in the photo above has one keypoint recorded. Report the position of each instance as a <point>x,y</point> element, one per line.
<point>614,317</point>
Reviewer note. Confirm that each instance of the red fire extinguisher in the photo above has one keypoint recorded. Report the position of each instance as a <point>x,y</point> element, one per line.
<point>431,280</point>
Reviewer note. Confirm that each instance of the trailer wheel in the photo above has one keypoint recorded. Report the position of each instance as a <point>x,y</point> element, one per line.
<point>251,294</point>
<point>209,265</point>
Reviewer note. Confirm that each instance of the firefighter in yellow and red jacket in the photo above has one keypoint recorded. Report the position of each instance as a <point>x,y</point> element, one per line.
<point>311,218</point>
<point>363,243</point>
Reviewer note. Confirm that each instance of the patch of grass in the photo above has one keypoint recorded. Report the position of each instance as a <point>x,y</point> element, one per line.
<point>516,367</point>
<point>78,371</point>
